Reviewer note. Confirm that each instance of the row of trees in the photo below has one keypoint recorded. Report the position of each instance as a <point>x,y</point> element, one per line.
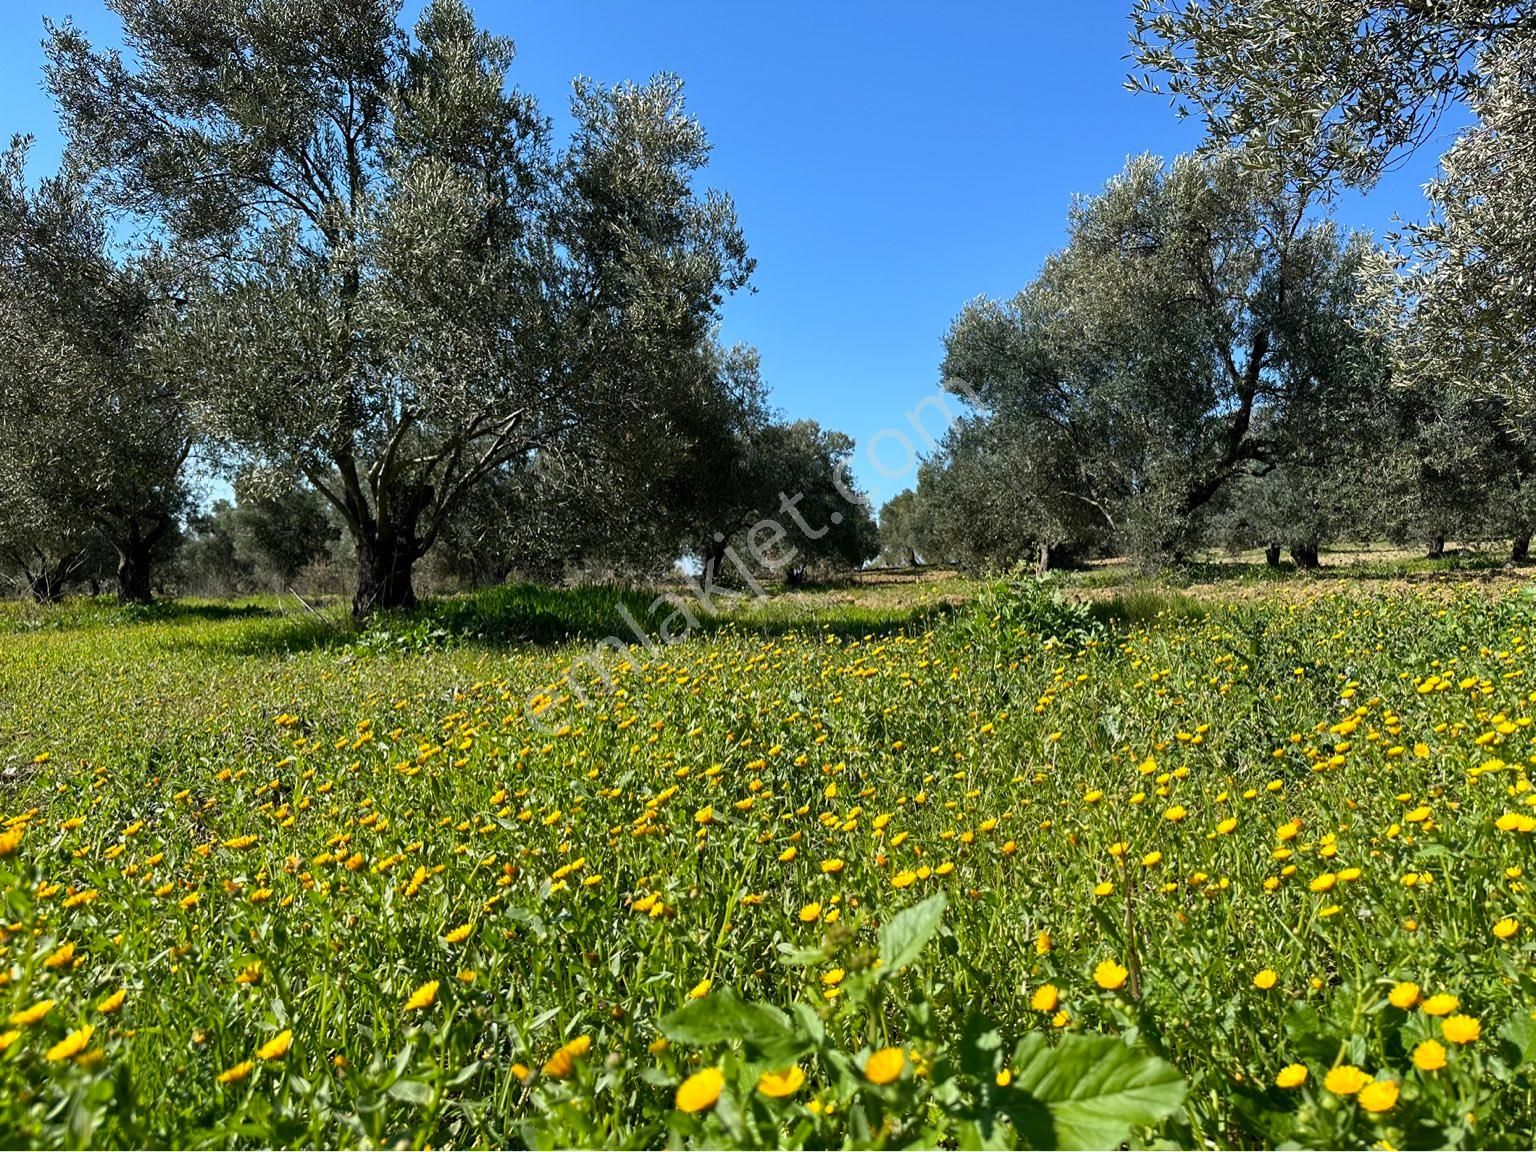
<point>1210,360</point>
<point>350,264</point>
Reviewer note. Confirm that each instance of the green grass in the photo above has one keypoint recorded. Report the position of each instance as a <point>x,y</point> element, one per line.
<point>714,832</point>
<point>1144,605</point>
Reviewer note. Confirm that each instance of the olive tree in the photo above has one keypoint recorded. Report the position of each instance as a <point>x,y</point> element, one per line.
<point>1334,94</point>
<point>414,288</point>
<point>1326,93</point>
<point>785,506</point>
<point>1001,490</point>
<point>630,514</point>
<point>92,438</point>
<point>1194,317</point>
<point>1464,280</point>
<point>903,530</point>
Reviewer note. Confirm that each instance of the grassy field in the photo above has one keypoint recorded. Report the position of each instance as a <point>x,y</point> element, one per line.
<point>1237,862</point>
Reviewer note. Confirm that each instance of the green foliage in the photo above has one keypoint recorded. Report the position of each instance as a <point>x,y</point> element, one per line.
<point>785,507</point>
<point>92,437</point>
<point>1196,327</point>
<point>1030,609</point>
<point>1323,94</point>
<point>1457,306</point>
<point>415,292</point>
<point>1095,1089</point>
<point>992,496</point>
<point>906,934</point>
<point>956,796</point>
<point>1082,1092</point>
<point>1146,605</point>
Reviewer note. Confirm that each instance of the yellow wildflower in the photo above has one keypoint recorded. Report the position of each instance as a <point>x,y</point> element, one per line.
<point>885,1065</point>
<point>1442,1005</point>
<point>1378,1096</point>
<point>1429,1056</point>
<point>72,1045</point>
<point>1291,1076</point>
<point>563,1062</point>
<point>277,1047</point>
<point>781,1084</point>
<point>423,997</point>
<point>32,1014</point>
<point>1109,975</point>
<point>700,1091</point>
<point>1345,1080</point>
<point>1461,1029</point>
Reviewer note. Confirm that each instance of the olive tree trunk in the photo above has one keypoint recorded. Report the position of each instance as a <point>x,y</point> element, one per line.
<point>46,584</point>
<point>384,570</point>
<point>714,561</point>
<point>136,547</point>
<point>1304,556</point>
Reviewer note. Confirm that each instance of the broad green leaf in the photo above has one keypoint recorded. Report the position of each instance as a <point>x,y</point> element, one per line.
<point>1309,1037</point>
<point>1095,1088</point>
<point>800,957</point>
<point>723,1018</point>
<point>810,1023</point>
<point>1519,1034</point>
<point>904,935</point>
<point>980,1041</point>
<point>411,1091</point>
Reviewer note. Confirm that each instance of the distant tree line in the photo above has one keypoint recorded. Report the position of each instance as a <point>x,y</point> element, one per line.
<point>349,266</point>
<point>1211,362</point>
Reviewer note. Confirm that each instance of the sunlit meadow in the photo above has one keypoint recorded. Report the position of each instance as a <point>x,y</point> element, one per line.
<point>1226,871</point>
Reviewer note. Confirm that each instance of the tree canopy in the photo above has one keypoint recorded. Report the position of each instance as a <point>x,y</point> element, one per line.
<point>1180,339</point>
<point>1324,93</point>
<point>93,435</point>
<point>413,288</point>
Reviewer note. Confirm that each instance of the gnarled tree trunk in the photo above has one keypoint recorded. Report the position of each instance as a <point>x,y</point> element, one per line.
<point>384,569</point>
<point>1272,555</point>
<point>44,586</point>
<point>1436,548</point>
<point>136,548</point>
<point>1520,550</point>
<point>1305,556</point>
<point>133,576</point>
<point>388,546</point>
<point>714,561</point>
<point>45,581</point>
<point>1042,559</point>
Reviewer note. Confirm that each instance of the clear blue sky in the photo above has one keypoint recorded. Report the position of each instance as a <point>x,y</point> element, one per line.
<point>889,160</point>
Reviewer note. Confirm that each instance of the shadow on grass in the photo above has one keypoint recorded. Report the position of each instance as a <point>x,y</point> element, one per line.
<point>534,614</point>
<point>1349,566</point>
<point>531,615</point>
<point>193,611</point>
<point>82,613</point>
<point>1142,606</point>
